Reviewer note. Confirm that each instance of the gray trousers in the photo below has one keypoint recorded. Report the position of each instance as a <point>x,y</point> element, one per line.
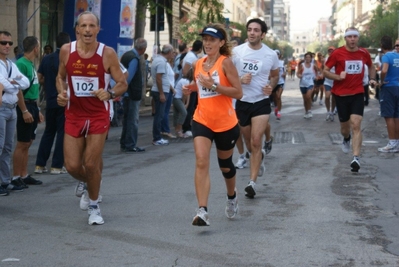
<point>8,124</point>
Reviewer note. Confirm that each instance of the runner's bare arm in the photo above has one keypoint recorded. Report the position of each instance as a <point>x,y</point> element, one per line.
<point>111,64</point>
<point>274,76</point>
<point>332,76</point>
<point>61,76</point>
<point>62,98</point>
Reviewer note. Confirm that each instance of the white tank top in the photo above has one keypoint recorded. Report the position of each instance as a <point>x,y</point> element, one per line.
<point>308,76</point>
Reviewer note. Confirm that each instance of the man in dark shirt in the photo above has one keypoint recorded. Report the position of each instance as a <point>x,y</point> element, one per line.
<point>55,118</point>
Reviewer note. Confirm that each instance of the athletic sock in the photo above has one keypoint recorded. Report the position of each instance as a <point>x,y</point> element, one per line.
<point>231,197</point>
<point>205,208</point>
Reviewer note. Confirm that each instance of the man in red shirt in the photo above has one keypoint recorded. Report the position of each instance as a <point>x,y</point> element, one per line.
<point>348,91</point>
<point>86,67</point>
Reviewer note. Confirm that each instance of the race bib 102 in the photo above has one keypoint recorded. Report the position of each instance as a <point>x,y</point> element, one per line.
<point>84,86</point>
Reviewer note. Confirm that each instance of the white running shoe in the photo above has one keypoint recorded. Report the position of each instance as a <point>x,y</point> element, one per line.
<point>250,189</point>
<point>328,116</point>
<point>85,201</point>
<point>355,165</point>
<point>241,162</point>
<point>389,148</point>
<point>231,207</point>
<point>346,145</point>
<point>80,188</point>
<point>95,215</point>
<point>40,169</point>
<point>189,133</point>
<point>321,102</point>
<point>332,116</point>
<point>58,170</point>
<point>202,218</point>
<point>160,142</point>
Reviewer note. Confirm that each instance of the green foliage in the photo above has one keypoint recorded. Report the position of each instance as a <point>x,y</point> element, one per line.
<point>285,48</point>
<point>383,22</point>
<point>241,28</point>
<point>190,29</point>
<point>208,10</point>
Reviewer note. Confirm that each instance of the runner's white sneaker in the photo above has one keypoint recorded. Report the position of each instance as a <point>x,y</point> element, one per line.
<point>202,218</point>
<point>95,215</point>
<point>241,162</point>
<point>355,165</point>
<point>250,189</point>
<point>346,145</point>
<point>80,188</point>
<point>389,148</point>
<point>231,207</point>
<point>85,201</point>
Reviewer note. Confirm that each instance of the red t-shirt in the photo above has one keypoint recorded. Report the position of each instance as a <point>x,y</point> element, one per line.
<point>353,64</point>
<point>86,75</point>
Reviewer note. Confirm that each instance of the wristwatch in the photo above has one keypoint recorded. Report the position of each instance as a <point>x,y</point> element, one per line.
<point>112,94</point>
<point>213,87</point>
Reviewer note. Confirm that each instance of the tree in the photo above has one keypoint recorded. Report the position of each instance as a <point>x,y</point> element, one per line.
<point>22,24</point>
<point>383,22</point>
<point>190,29</point>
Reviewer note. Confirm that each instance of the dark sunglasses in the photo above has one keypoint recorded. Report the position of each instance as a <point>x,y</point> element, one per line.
<point>397,45</point>
<point>6,42</point>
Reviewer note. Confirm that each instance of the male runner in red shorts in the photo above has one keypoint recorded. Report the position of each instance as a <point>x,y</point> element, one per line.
<point>89,66</point>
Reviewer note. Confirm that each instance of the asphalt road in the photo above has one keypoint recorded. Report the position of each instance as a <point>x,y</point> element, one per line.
<point>310,210</point>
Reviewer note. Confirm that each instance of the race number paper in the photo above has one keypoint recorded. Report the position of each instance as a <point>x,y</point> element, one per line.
<point>84,86</point>
<point>251,66</point>
<point>353,66</point>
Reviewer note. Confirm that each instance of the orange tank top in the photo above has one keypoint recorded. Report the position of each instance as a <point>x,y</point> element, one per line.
<point>214,110</point>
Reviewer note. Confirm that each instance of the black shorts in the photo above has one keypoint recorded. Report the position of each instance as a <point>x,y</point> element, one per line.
<point>246,111</point>
<point>319,82</point>
<point>224,140</point>
<point>26,132</point>
<point>348,105</point>
<point>278,86</point>
<point>293,72</point>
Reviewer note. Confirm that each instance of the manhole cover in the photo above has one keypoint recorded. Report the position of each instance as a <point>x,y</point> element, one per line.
<point>289,138</point>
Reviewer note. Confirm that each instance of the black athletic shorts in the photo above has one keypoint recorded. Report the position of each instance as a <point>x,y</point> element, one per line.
<point>348,105</point>
<point>223,140</point>
<point>26,132</point>
<point>246,111</point>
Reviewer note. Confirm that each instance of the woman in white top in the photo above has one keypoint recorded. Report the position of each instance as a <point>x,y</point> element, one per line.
<point>307,73</point>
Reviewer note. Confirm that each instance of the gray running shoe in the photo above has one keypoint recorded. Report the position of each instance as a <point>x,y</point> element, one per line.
<point>346,145</point>
<point>250,189</point>
<point>95,215</point>
<point>268,145</point>
<point>202,218</point>
<point>80,188</point>
<point>355,165</point>
<point>231,207</point>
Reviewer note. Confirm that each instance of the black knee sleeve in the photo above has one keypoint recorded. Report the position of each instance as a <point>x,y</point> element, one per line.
<point>225,164</point>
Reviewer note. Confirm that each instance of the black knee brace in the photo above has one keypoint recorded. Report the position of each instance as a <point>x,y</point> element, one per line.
<point>227,163</point>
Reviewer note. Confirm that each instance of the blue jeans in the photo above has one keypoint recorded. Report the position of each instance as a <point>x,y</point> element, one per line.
<point>158,116</point>
<point>8,124</point>
<point>165,120</point>
<point>130,125</point>
<point>55,121</point>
